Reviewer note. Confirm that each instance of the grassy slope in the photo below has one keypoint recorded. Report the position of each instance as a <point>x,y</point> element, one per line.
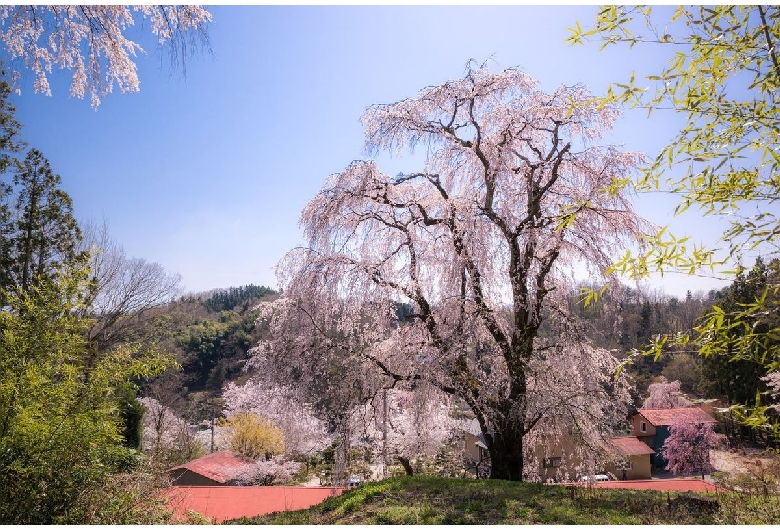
<point>429,500</point>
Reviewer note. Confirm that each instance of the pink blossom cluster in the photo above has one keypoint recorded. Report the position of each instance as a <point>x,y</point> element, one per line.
<point>772,379</point>
<point>91,41</point>
<point>665,395</point>
<point>687,449</point>
<point>274,471</point>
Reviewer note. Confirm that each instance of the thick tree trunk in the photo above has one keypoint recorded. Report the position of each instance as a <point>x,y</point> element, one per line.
<point>407,466</point>
<point>505,444</point>
<point>506,455</point>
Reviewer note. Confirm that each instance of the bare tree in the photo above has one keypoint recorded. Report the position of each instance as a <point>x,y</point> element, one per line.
<point>123,289</point>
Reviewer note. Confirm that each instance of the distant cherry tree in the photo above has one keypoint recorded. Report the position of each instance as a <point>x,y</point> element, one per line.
<point>267,472</point>
<point>447,274</point>
<point>303,432</point>
<point>772,380</point>
<point>687,449</point>
<point>166,436</point>
<point>665,395</point>
<point>406,426</point>
<point>92,41</point>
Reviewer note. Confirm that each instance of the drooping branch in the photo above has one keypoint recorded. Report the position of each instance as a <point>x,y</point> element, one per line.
<point>446,275</point>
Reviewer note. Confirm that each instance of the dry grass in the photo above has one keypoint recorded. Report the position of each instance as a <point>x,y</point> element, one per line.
<point>734,461</point>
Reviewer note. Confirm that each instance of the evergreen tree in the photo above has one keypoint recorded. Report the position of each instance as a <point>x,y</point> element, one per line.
<point>733,371</point>
<point>42,233</point>
<point>9,146</point>
<point>228,299</point>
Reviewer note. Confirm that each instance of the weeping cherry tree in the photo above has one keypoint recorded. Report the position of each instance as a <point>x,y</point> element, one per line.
<point>515,199</point>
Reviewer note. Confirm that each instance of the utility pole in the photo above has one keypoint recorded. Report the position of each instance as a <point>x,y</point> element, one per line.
<point>212,426</point>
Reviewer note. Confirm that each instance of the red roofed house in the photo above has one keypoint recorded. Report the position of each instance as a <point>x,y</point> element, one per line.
<point>631,458</point>
<point>652,426</point>
<point>215,469</point>
<point>194,491</point>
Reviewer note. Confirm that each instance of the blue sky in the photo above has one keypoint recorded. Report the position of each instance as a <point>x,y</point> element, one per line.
<point>207,174</point>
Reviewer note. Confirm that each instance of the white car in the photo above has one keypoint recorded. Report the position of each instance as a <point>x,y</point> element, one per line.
<point>594,478</point>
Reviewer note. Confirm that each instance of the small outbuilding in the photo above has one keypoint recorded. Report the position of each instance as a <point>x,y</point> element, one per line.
<point>215,469</point>
<point>631,458</point>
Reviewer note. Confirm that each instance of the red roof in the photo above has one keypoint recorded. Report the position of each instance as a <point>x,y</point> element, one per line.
<point>631,445</point>
<point>664,417</point>
<point>220,467</point>
<point>674,484</point>
<point>223,503</point>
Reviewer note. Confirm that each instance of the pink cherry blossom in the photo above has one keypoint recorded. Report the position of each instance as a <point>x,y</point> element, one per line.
<point>665,395</point>
<point>91,41</point>
<point>514,200</point>
<point>687,449</point>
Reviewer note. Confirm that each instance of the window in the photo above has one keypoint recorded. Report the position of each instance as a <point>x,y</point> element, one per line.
<point>554,461</point>
<point>643,427</point>
<point>626,465</point>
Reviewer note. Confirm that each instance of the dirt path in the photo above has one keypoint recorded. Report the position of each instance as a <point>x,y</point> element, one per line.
<point>734,461</point>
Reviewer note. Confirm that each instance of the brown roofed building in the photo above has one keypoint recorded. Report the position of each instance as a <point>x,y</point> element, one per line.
<point>216,469</point>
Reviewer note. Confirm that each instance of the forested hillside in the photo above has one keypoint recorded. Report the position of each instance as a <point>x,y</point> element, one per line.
<point>209,335</point>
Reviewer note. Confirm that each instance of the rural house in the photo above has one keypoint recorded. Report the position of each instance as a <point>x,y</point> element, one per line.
<point>216,469</point>
<point>631,458</point>
<point>624,457</point>
<point>556,455</point>
<point>652,426</point>
<point>475,453</point>
<point>559,459</point>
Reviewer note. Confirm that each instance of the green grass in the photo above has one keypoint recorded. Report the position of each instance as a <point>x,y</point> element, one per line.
<point>431,500</point>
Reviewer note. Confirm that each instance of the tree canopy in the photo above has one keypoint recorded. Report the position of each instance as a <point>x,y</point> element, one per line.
<point>723,76</point>
<point>61,442</point>
<point>514,195</point>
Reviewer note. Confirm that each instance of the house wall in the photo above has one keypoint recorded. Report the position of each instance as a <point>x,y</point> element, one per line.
<point>472,450</point>
<point>636,428</point>
<point>661,434</point>
<point>654,437</point>
<point>185,477</point>
<point>572,465</point>
<point>640,468</point>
